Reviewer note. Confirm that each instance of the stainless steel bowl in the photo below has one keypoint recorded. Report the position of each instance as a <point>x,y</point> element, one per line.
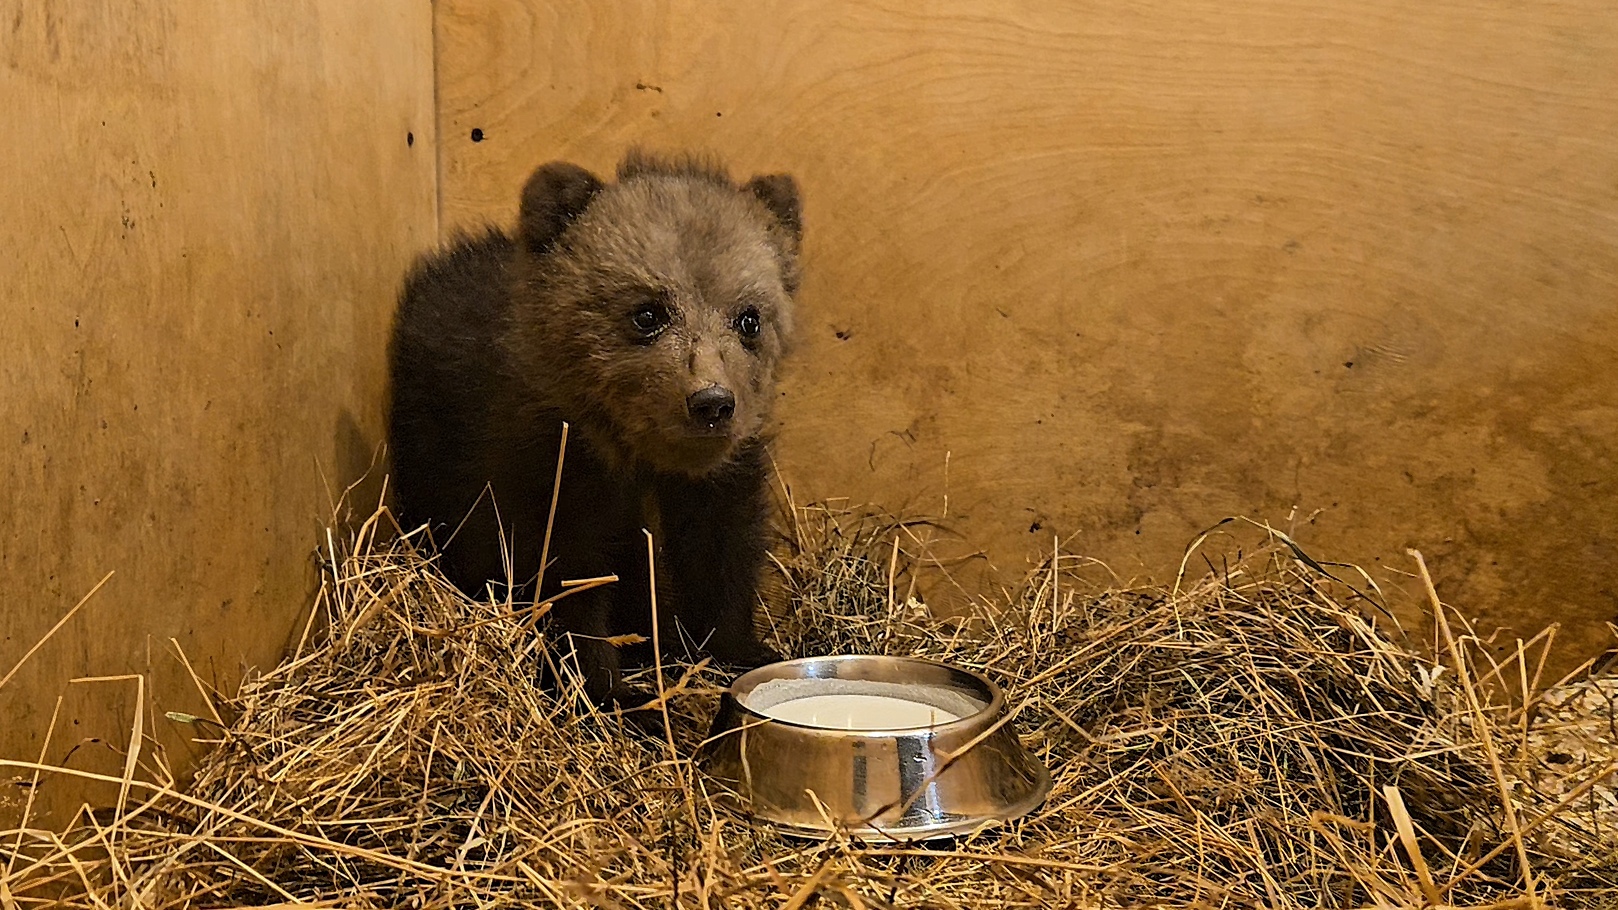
<point>905,784</point>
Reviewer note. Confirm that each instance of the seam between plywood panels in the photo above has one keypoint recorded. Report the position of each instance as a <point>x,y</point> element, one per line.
<point>438,129</point>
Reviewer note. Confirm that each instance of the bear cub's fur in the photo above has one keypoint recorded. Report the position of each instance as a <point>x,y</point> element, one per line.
<point>650,314</point>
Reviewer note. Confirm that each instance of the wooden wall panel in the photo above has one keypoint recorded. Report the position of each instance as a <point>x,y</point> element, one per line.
<point>1127,268</point>
<point>207,211</point>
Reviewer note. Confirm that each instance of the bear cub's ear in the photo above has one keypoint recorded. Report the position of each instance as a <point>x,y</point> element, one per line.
<point>555,195</point>
<point>779,193</point>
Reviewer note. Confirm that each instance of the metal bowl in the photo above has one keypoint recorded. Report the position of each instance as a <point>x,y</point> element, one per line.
<point>910,782</point>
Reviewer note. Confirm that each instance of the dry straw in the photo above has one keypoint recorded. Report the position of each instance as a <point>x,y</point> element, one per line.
<point>1249,739</point>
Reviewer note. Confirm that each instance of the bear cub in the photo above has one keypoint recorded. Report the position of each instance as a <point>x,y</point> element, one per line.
<point>650,314</point>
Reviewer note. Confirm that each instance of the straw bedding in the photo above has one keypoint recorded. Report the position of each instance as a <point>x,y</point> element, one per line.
<point>1249,739</point>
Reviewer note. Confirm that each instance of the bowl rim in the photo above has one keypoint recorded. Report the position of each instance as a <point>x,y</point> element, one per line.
<point>743,685</point>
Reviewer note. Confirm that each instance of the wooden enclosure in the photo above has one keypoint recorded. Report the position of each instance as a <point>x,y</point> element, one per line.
<point>207,210</point>
<point>1100,272</point>
<point>1114,271</point>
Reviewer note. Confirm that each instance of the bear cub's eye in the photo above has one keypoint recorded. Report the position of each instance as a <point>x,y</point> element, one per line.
<point>649,318</point>
<point>747,324</point>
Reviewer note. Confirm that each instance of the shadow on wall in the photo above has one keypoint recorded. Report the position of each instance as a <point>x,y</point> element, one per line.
<point>357,487</point>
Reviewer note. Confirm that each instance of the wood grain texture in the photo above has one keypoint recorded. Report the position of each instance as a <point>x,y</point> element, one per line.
<point>207,211</point>
<point>1135,267</point>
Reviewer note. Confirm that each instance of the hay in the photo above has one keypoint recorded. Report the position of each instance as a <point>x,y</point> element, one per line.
<point>1248,740</point>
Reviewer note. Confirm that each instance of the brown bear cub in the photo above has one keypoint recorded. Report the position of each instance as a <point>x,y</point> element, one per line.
<point>650,314</point>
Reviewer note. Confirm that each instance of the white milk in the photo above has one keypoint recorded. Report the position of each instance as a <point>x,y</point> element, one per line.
<point>859,712</point>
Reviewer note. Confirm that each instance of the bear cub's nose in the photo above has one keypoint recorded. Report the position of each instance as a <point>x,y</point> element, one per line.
<point>712,406</point>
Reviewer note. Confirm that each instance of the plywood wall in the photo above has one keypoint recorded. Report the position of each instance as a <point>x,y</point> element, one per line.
<point>1114,271</point>
<point>206,211</point>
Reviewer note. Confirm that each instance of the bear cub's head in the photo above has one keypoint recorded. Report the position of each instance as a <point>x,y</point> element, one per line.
<point>654,311</point>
